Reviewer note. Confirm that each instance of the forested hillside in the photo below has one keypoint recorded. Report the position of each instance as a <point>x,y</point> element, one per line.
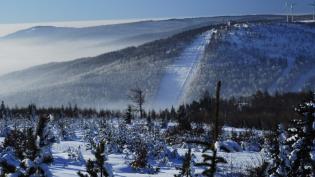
<point>260,56</point>
<point>246,57</point>
<point>99,80</point>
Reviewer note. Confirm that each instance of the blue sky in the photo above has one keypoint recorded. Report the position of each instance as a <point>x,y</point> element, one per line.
<point>29,11</point>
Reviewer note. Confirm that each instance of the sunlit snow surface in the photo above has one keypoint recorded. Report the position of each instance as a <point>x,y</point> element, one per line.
<point>178,73</point>
<point>63,167</point>
<point>238,162</point>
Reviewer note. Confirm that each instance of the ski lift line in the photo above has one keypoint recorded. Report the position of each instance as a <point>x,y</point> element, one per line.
<point>186,79</point>
<point>180,71</point>
<point>194,66</point>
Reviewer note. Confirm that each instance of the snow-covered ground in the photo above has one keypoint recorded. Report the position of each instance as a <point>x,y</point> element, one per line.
<point>307,21</point>
<point>63,166</point>
<point>164,153</point>
<point>178,73</point>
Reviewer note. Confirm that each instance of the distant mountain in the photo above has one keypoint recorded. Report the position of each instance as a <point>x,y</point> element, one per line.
<point>126,30</point>
<point>44,44</point>
<point>247,57</point>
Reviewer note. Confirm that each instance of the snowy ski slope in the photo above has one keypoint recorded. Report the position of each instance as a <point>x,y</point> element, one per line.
<point>177,74</point>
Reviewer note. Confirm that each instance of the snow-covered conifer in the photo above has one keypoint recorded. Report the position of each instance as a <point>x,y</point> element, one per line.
<point>141,159</point>
<point>210,161</point>
<point>302,137</point>
<point>187,169</point>
<point>280,165</point>
<point>32,153</point>
<point>97,167</point>
<point>128,115</point>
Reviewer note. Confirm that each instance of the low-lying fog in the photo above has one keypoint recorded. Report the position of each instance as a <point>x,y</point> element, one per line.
<point>28,46</point>
<point>17,54</point>
<point>20,54</point>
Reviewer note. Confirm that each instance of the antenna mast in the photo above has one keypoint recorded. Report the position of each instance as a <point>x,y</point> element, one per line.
<point>313,5</point>
<point>292,8</point>
<point>286,9</point>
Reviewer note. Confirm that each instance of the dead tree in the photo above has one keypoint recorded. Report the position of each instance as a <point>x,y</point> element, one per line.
<point>137,96</point>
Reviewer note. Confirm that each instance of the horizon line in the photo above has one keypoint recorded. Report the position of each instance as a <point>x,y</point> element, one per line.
<point>9,28</point>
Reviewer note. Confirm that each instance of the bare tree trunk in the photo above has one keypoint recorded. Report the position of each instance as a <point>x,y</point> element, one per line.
<point>138,97</point>
<point>216,130</point>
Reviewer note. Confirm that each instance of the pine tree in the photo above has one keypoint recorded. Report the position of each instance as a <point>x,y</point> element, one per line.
<point>16,140</point>
<point>279,153</point>
<point>165,116</point>
<point>2,110</point>
<point>151,116</point>
<point>39,147</point>
<point>32,151</point>
<point>97,167</point>
<point>45,138</point>
<point>100,159</point>
<point>5,114</point>
<point>187,168</point>
<point>183,119</point>
<point>172,113</point>
<point>302,139</point>
<point>128,115</point>
<point>32,112</point>
<point>31,148</point>
<point>210,161</point>
<point>141,156</point>
<point>272,143</point>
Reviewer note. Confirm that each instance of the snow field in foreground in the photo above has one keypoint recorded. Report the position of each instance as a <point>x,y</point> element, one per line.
<point>64,167</point>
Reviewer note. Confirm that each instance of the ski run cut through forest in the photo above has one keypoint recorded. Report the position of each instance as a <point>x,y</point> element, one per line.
<point>177,75</point>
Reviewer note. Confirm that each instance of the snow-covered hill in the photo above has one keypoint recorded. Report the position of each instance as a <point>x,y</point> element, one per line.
<point>247,57</point>
<point>43,44</point>
<point>258,56</point>
<point>102,81</point>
